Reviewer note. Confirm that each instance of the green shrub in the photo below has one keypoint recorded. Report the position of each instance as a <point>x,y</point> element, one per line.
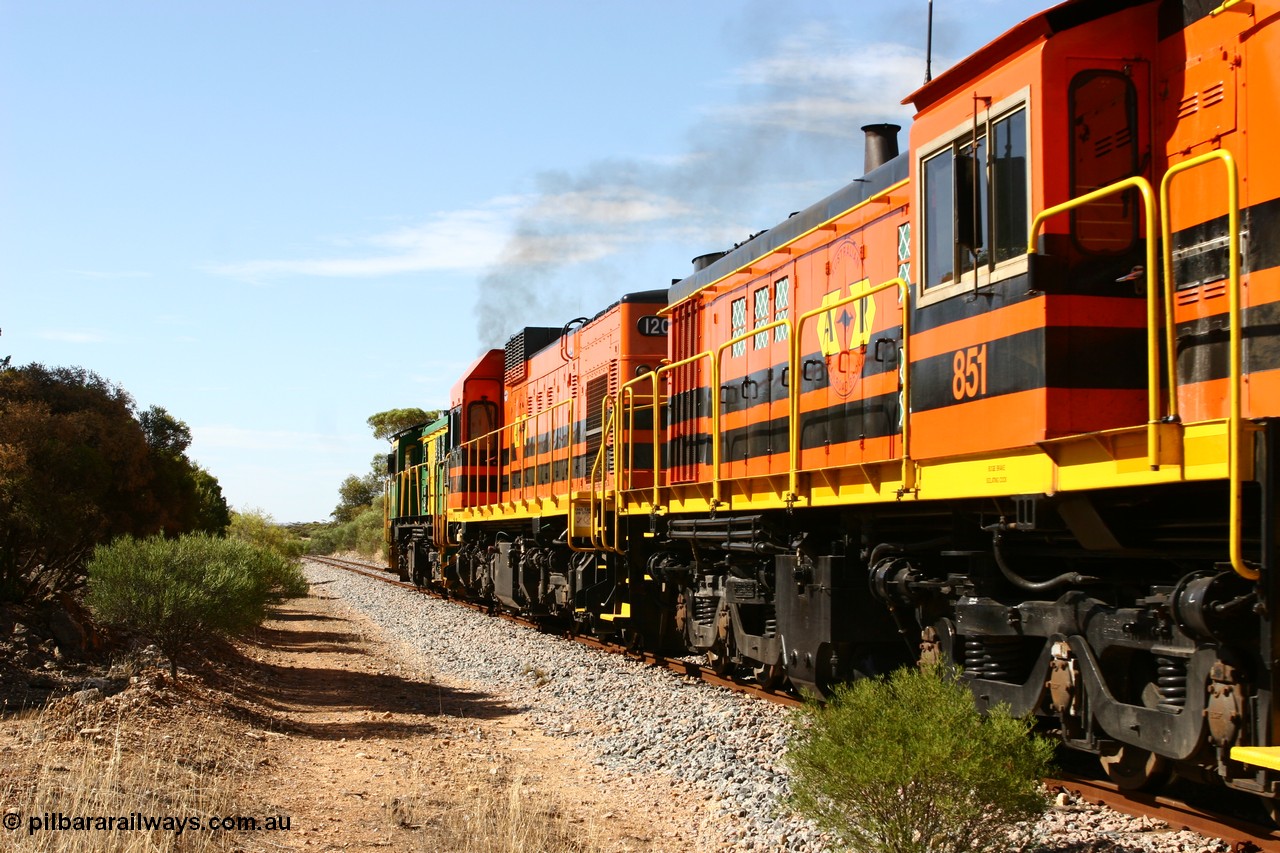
<point>181,591</point>
<point>257,527</point>
<point>363,534</point>
<point>908,765</point>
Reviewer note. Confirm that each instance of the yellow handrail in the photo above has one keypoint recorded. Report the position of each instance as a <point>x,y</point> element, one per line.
<point>386,518</point>
<point>608,412</point>
<point>655,407</point>
<point>1226,6</point>
<point>656,401</point>
<point>904,295</point>
<point>1235,420</point>
<point>794,329</point>
<point>520,436</point>
<point>472,447</point>
<point>440,506</point>
<point>660,438</point>
<point>624,436</point>
<point>716,461</point>
<point>1153,294</point>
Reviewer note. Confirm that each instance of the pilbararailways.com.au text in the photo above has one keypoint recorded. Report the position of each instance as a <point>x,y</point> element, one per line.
<point>138,822</point>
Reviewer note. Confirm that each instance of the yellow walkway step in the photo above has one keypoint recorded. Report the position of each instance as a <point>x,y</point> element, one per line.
<point>1263,756</point>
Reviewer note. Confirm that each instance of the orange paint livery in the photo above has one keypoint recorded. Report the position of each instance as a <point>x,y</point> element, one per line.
<point>1013,397</point>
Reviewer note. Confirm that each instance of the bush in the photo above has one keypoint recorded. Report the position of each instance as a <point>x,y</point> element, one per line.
<point>181,591</point>
<point>257,527</point>
<point>907,764</point>
<point>363,534</point>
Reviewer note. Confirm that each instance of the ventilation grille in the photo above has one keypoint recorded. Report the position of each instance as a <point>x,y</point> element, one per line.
<point>521,346</point>
<point>597,388</point>
<point>1212,95</point>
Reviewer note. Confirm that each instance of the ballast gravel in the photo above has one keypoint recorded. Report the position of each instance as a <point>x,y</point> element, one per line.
<point>630,719</point>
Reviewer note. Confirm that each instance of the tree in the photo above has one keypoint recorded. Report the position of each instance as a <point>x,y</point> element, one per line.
<point>388,423</point>
<point>258,528</point>
<point>188,498</point>
<point>212,515</point>
<point>356,494</point>
<point>75,470</point>
<point>164,433</point>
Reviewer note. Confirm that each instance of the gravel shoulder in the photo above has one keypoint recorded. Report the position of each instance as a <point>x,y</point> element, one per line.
<point>326,720</point>
<point>624,721</point>
<point>375,718</point>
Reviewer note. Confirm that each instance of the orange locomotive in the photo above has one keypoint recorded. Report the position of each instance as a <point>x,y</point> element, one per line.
<point>480,500</point>
<point>1008,400</point>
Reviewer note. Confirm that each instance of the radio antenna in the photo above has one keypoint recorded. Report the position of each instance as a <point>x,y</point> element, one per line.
<point>928,46</point>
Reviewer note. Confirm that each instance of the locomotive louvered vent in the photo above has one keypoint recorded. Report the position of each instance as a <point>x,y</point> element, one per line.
<point>597,388</point>
<point>523,344</point>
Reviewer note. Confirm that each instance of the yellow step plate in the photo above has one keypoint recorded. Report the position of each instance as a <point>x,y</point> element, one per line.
<point>625,613</point>
<point>1263,756</point>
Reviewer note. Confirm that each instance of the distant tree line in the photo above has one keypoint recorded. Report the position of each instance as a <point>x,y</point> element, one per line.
<point>80,466</point>
<point>358,518</point>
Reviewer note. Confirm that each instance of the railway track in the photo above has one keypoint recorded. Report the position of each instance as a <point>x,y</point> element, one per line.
<point>1243,835</point>
<point>680,667</point>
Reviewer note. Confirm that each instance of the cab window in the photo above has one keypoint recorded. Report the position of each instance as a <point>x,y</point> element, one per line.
<point>975,200</point>
<point>482,420</point>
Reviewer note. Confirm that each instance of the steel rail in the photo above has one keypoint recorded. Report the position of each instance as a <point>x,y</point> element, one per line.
<point>677,666</point>
<point>1242,835</point>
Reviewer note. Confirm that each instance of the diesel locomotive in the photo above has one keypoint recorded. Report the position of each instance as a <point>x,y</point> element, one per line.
<point>1011,400</point>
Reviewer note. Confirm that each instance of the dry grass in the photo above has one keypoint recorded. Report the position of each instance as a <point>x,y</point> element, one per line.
<point>498,814</point>
<point>67,769</point>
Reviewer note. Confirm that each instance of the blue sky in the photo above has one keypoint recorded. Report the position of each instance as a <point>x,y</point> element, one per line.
<point>277,218</point>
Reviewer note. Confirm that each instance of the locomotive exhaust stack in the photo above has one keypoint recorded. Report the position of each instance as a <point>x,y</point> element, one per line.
<point>881,145</point>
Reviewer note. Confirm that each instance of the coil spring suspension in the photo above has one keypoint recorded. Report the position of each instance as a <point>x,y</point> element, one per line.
<point>704,609</point>
<point>1171,683</point>
<point>994,658</point>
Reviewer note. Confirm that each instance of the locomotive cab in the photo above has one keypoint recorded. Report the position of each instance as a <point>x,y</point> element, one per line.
<point>475,423</point>
<point>1081,292</point>
<point>1033,346</point>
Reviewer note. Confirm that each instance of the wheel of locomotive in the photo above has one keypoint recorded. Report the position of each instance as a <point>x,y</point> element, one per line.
<point>1132,768</point>
<point>718,658</point>
<point>769,676</point>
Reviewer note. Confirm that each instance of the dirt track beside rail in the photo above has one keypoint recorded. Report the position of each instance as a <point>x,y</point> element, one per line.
<point>332,727</point>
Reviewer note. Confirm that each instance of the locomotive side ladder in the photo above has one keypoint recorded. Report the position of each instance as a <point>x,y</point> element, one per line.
<point>1166,433</point>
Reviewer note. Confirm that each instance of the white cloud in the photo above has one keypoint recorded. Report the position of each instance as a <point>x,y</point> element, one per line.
<point>476,239</point>
<point>110,274</point>
<point>69,336</point>
<point>283,441</point>
<point>606,205</point>
<point>819,84</point>
<point>457,240</point>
